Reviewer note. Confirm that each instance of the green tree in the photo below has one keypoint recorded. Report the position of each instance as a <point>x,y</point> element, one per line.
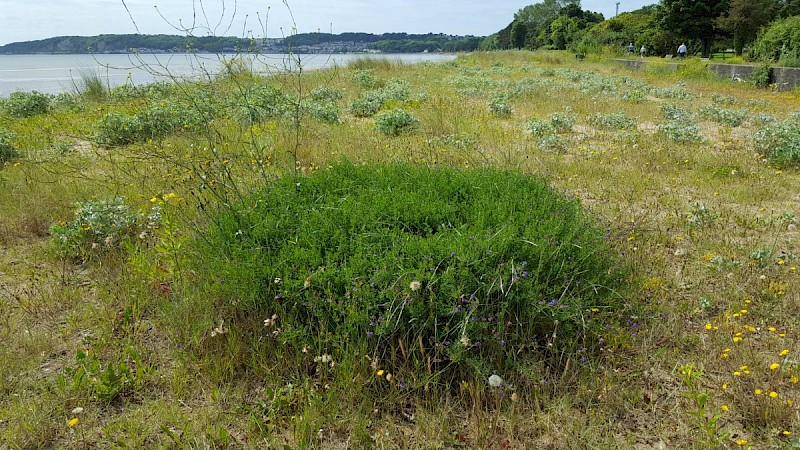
<point>745,18</point>
<point>692,19</point>
<point>780,42</point>
<point>519,34</point>
<point>788,8</point>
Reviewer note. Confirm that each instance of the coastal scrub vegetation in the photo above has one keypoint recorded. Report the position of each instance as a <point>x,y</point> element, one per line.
<point>472,253</point>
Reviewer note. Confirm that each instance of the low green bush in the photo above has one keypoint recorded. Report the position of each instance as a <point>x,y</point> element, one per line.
<point>100,226</point>
<point>27,104</point>
<point>435,275</point>
<point>397,89</point>
<point>395,122</point>
<point>612,121</point>
<point>724,116</point>
<point>7,150</point>
<point>154,122</point>
<point>562,122</point>
<point>780,141</point>
<point>117,129</point>
<point>325,94</point>
<point>258,104</point>
<point>324,111</point>
<point>366,79</point>
<point>499,105</point>
<point>540,128</point>
<point>368,104</point>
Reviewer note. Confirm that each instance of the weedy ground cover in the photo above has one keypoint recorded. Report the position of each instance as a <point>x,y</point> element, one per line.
<point>603,258</point>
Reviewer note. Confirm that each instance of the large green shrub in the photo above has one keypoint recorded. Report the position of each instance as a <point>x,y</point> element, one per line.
<point>433,273</point>
<point>27,104</point>
<point>780,42</point>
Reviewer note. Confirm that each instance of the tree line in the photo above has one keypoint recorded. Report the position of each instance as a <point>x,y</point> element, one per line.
<point>766,30</point>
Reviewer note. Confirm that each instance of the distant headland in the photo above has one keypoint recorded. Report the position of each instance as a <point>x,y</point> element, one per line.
<point>298,43</point>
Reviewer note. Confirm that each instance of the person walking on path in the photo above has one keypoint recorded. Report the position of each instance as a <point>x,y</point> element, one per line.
<point>630,49</point>
<point>643,51</point>
<point>682,51</point>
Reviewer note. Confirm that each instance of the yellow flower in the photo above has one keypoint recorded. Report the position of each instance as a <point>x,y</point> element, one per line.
<point>154,199</point>
<point>737,339</point>
<point>72,422</point>
<point>794,380</point>
<point>709,326</point>
<point>724,407</point>
<point>759,392</point>
<point>741,442</point>
<point>737,374</point>
<point>773,394</point>
<point>380,373</point>
<point>772,329</point>
<point>724,386</point>
<point>774,366</point>
<point>784,352</point>
<point>786,433</point>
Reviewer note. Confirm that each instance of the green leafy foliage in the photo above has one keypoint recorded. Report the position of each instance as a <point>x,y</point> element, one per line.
<point>100,226</point>
<point>27,104</point>
<point>260,103</point>
<point>724,116</point>
<point>779,42</point>
<point>443,273</point>
<point>366,79</point>
<point>7,150</point>
<point>104,382</point>
<point>154,122</point>
<point>368,104</point>
<point>395,122</point>
<point>499,105</point>
<point>780,141</point>
<point>612,121</point>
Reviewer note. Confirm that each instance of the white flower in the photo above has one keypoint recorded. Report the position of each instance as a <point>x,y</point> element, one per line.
<point>220,330</point>
<point>277,280</point>
<point>415,285</point>
<point>495,381</point>
<point>271,321</point>
<point>77,411</point>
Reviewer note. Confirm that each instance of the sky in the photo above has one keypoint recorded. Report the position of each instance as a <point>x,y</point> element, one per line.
<point>25,20</point>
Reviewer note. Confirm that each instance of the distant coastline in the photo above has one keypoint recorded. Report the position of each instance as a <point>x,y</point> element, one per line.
<point>309,43</point>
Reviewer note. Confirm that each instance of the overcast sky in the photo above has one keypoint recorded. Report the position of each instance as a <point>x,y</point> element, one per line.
<point>25,20</point>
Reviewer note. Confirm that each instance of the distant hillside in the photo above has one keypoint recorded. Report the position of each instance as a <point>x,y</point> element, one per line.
<point>300,43</point>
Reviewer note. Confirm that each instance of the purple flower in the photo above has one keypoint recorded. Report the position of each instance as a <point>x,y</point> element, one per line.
<point>370,333</point>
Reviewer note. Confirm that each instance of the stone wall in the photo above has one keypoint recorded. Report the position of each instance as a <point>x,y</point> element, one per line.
<point>734,72</point>
<point>783,78</point>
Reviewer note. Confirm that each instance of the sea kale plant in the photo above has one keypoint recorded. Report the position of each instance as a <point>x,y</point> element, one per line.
<point>100,226</point>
